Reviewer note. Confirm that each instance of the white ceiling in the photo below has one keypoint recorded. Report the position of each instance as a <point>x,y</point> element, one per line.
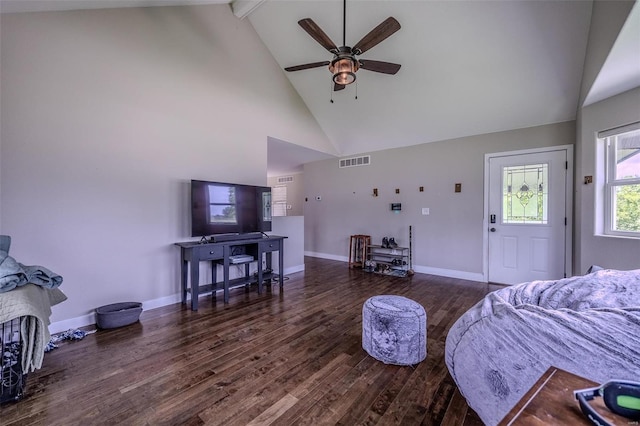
<point>621,71</point>
<point>468,67</point>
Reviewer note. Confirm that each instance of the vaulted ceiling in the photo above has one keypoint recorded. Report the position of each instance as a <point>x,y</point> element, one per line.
<point>468,67</point>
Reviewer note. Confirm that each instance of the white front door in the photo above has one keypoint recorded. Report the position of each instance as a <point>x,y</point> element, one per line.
<point>527,216</point>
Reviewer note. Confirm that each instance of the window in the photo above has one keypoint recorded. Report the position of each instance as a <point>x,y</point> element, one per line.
<point>279,193</point>
<point>622,181</point>
<point>525,194</point>
<point>222,204</point>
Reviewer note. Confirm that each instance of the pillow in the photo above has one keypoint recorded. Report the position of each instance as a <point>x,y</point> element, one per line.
<point>594,268</point>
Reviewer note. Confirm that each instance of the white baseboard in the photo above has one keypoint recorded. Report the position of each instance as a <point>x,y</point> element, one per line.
<point>294,269</point>
<point>90,319</point>
<point>327,256</point>
<point>72,323</point>
<point>162,301</point>
<point>449,273</point>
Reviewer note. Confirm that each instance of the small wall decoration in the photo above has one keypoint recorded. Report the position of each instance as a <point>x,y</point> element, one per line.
<point>375,192</point>
<point>396,207</point>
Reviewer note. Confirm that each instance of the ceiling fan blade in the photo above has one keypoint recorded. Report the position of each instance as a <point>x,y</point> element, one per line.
<point>318,35</point>
<point>379,66</point>
<point>307,66</point>
<point>337,87</point>
<point>376,35</point>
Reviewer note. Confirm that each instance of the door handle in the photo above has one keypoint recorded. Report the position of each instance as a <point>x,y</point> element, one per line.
<point>492,229</point>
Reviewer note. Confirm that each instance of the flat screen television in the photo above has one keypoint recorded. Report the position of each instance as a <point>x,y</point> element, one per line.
<point>229,208</point>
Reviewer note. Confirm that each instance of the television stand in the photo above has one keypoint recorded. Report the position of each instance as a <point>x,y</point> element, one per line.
<point>221,252</point>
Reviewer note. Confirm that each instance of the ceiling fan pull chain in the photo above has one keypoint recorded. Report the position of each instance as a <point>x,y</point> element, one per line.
<point>356,90</point>
<point>331,92</point>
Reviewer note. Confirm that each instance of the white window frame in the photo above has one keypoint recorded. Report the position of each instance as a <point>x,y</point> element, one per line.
<point>611,183</point>
<point>279,200</point>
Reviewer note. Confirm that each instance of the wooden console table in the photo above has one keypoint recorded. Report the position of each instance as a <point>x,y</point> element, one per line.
<point>550,401</point>
<point>193,252</point>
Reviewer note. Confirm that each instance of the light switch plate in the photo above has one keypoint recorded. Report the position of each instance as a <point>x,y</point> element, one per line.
<point>425,211</point>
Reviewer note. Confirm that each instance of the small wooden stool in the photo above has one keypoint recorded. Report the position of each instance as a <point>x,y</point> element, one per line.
<point>358,250</point>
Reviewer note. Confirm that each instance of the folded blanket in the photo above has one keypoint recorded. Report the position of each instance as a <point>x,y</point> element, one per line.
<point>34,303</point>
<point>5,243</point>
<point>11,273</point>
<point>14,274</point>
<point>39,275</point>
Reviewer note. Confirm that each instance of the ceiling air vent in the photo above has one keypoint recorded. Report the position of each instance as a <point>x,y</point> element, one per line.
<point>285,179</point>
<point>365,160</point>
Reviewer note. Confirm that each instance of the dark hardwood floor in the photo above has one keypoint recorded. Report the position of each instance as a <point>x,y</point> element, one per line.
<point>281,358</point>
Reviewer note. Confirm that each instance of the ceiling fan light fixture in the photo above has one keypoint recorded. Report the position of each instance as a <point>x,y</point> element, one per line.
<point>344,65</point>
<point>344,70</point>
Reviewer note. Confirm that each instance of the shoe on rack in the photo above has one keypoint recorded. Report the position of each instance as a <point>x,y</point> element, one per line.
<point>392,243</point>
<point>385,242</point>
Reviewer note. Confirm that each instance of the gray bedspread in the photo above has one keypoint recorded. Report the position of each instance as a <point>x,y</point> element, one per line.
<point>588,325</point>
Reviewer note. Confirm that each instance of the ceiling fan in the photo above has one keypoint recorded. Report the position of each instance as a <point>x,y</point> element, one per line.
<point>345,63</point>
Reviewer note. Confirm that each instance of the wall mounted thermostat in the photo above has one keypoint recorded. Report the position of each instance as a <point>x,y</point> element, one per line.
<point>396,207</point>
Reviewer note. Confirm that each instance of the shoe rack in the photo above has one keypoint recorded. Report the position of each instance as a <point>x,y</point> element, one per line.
<point>388,259</point>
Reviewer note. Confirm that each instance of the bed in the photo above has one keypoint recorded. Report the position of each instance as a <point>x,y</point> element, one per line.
<point>588,325</point>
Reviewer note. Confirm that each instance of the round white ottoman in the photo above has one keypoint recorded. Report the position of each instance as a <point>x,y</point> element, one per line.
<point>394,330</point>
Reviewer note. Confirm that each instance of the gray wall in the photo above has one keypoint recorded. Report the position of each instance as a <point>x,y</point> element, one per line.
<point>591,248</point>
<point>106,116</point>
<point>449,240</point>
<point>607,19</point>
